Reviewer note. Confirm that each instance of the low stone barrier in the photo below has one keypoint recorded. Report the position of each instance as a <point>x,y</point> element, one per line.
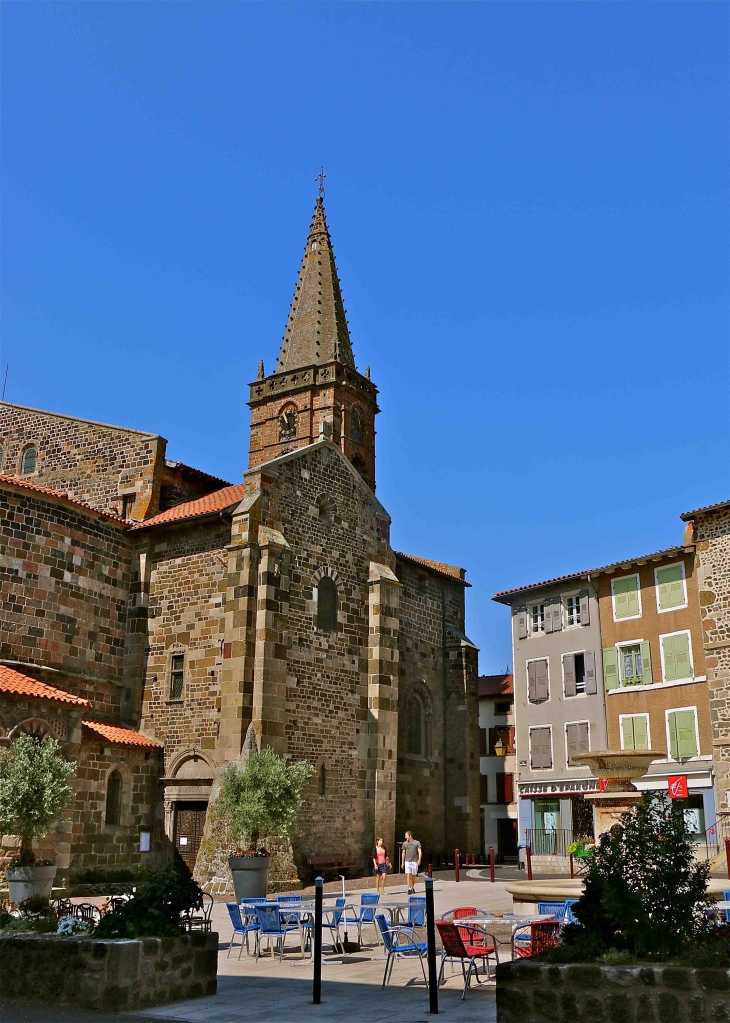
<point>546,993</point>
<point>108,974</point>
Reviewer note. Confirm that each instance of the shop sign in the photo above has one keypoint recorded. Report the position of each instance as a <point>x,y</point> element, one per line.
<point>677,785</point>
<point>554,787</point>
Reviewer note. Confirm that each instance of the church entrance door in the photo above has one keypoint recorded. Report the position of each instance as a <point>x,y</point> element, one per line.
<point>189,825</point>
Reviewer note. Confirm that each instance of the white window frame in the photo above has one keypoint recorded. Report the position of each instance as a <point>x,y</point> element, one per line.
<point>563,600</point>
<point>623,643</point>
<point>640,715</point>
<point>530,660</point>
<point>538,770</point>
<point>675,710</point>
<point>679,632</point>
<point>630,575</point>
<point>677,607</point>
<point>569,766</point>
<point>536,632</point>
<point>577,696</point>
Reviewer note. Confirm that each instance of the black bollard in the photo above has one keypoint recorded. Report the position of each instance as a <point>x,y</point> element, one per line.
<point>317,938</point>
<point>433,986</point>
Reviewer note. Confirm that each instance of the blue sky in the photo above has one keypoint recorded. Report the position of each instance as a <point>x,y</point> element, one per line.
<point>528,204</point>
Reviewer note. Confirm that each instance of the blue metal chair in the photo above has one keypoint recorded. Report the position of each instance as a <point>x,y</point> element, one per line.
<point>332,917</point>
<point>400,942</point>
<point>726,898</point>
<point>366,915</point>
<point>416,911</point>
<point>272,925</point>
<point>556,909</point>
<point>570,917</point>
<point>282,901</point>
<point>239,927</point>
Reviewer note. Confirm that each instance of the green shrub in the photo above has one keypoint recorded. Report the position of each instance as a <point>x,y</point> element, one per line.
<point>121,874</point>
<point>644,892</point>
<point>154,911</point>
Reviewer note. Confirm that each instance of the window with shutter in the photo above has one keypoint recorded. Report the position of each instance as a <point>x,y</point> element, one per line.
<point>541,752</point>
<point>537,618</point>
<point>585,609</point>
<point>577,740</point>
<point>483,788</point>
<point>676,657</point>
<point>541,680</point>
<point>589,664</point>
<point>626,597</point>
<point>553,615</point>
<point>635,731</point>
<point>482,742</point>
<point>572,610</point>
<point>670,586</point>
<point>627,733</point>
<point>610,667</point>
<point>509,788</point>
<point>682,734</point>
<point>569,674</point>
<point>499,778</point>
<point>522,623</point>
<point>646,662</point>
<point>493,736</point>
<point>113,798</point>
<point>531,676</point>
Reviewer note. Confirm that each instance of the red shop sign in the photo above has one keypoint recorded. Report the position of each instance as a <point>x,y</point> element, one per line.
<point>602,784</point>
<point>677,785</point>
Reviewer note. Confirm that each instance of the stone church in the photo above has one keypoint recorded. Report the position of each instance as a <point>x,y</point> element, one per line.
<point>151,613</point>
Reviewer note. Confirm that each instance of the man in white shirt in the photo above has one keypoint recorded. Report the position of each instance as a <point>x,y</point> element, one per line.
<point>411,860</point>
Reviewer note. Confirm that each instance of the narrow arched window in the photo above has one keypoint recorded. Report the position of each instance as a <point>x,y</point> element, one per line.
<point>356,427</point>
<point>322,781</point>
<point>113,798</point>
<point>29,459</point>
<point>326,605</point>
<point>415,726</point>
<point>1,456</point>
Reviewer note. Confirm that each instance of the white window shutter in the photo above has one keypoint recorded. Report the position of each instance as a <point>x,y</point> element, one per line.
<point>589,662</point>
<point>585,612</point>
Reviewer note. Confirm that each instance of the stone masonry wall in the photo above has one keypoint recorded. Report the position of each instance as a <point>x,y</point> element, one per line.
<point>539,993</point>
<point>712,533</point>
<point>91,462</point>
<point>108,975</point>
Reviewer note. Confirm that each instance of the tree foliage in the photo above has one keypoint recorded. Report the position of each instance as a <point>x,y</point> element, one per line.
<point>644,891</point>
<point>34,790</point>
<point>263,797</point>
<point>154,910</point>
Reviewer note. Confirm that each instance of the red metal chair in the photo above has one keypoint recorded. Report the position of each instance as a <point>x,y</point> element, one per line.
<point>455,950</point>
<point>543,934</point>
<point>470,935</point>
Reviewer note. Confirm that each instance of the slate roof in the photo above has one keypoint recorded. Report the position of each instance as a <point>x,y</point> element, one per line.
<point>707,508</point>
<point>452,571</point>
<point>49,492</point>
<point>18,684</point>
<point>219,500</point>
<point>316,331</point>
<point>119,735</point>
<point>496,685</point>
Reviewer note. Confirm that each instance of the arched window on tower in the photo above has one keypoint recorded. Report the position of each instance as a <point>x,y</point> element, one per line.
<point>326,605</point>
<point>113,798</point>
<point>288,423</point>
<point>359,462</point>
<point>30,456</point>
<point>415,725</point>
<point>322,782</point>
<point>356,427</point>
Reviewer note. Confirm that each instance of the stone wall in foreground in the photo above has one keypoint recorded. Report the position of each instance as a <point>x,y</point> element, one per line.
<point>537,993</point>
<point>108,974</point>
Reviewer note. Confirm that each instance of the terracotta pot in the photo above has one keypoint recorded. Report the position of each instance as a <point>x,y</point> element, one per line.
<point>26,881</point>
<point>250,876</point>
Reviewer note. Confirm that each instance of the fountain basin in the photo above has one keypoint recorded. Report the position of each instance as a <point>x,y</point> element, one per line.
<point>620,768</point>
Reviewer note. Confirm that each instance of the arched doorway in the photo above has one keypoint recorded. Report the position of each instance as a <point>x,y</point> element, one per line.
<point>187,791</point>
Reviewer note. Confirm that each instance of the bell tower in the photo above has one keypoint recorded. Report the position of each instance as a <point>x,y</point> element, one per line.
<point>316,390</point>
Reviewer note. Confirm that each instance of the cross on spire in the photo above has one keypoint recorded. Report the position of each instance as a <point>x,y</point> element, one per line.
<point>320,179</point>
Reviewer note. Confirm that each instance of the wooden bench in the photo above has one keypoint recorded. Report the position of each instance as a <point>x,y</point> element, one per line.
<point>335,863</point>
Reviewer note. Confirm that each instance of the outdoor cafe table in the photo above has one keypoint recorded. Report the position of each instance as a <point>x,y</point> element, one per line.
<point>304,912</point>
<point>394,909</point>
<point>503,927</point>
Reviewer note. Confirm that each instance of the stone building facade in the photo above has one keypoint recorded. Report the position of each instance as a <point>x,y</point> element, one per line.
<point>709,528</point>
<point>186,611</point>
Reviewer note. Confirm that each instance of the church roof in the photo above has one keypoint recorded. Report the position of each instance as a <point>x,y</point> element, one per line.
<point>219,500</point>
<point>453,571</point>
<point>61,495</point>
<point>15,682</point>
<point>496,685</point>
<point>119,735</point>
<point>316,331</point>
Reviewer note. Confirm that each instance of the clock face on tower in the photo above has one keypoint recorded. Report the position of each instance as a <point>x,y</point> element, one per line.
<point>356,427</point>
<point>287,424</point>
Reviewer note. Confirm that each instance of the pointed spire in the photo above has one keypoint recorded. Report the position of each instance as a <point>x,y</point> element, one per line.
<point>316,330</point>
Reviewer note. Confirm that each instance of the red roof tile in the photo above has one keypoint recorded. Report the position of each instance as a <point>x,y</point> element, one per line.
<point>453,571</point>
<point>217,501</point>
<point>49,492</point>
<point>12,681</point>
<point>496,685</point>
<point>119,735</point>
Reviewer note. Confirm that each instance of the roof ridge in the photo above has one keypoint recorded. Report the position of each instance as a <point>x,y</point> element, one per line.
<point>80,419</point>
<point>13,681</point>
<point>50,492</point>
<point>216,501</point>
<point>442,567</point>
<point>316,330</point>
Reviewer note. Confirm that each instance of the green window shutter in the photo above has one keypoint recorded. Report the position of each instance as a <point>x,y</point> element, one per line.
<point>677,664</point>
<point>627,733</point>
<point>646,663</point>
<point>682,740</point>
<point>641,732</point>
<point>626,597</point>
<point>671,587</point>
<point>610,667</point>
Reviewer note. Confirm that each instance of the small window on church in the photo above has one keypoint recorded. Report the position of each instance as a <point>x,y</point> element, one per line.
<point>326,509</point>
<point>30,456</point>
<point>287,423</point>
<point>322,782</point>
<point>359,462</point>
<point>113,798</point>
<point>127,505</point>
<point>326,605</point>
<point>356,427</point>
<point>177,676</point>
<point>415,727</point>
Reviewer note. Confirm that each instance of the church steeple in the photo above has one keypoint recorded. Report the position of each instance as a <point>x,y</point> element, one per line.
<point>316,331</point>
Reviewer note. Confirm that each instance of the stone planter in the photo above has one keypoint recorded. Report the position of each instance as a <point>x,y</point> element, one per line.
<point>108,974</point>
<point>26,881</point>
<point>534,992</point>
<point>250,876</point>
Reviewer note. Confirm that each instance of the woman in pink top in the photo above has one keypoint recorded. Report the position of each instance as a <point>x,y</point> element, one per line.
<point>380,866</point>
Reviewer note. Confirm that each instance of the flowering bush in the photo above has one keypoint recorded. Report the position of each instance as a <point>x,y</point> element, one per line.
<point>582,848</point>
<point>72,925</point>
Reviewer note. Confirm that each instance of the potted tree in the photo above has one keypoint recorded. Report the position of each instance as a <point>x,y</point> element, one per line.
<point>259,799</point>
<point>34,794</point>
